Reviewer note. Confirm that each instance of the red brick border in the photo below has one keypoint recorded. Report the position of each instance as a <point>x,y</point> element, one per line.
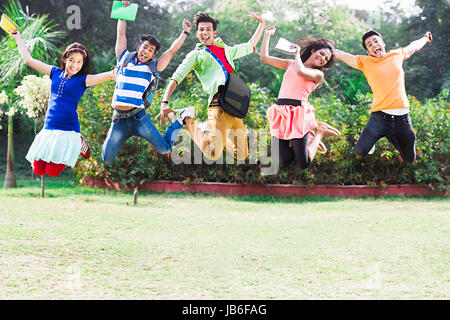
<point>232,189</point>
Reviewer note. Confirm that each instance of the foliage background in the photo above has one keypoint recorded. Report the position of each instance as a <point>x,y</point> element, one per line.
<point>343,100</point>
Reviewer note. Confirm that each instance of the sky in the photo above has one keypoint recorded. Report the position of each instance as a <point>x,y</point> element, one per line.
<point>409,6</point>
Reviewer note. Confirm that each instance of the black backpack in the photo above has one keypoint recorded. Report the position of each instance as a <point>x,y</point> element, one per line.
<point>234,96</point>
<point>153,86</point>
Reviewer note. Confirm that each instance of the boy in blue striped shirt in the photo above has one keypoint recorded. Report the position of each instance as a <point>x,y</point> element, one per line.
<point>134,75</point>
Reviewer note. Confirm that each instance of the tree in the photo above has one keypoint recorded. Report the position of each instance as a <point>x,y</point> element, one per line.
<point>40,40</point>
<point>88,22</point>
<point>427,73</point>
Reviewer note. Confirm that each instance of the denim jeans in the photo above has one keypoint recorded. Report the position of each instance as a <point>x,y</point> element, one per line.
<point>142,126</point>
<point>397,129</point>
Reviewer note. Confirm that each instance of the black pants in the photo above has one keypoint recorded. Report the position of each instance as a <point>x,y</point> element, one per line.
<point>294,150</point>
<point>397,129</point>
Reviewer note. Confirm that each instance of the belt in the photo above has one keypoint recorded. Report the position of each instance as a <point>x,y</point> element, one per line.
<point>391,117</point>
<point>126,114</point>
<point>289,102</point>
<point>214,103</point>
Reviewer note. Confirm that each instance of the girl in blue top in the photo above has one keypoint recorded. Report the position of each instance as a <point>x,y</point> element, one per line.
<point>59,143</point>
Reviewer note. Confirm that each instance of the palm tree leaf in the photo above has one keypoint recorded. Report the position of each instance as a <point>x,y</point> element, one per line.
<point>38,36</point>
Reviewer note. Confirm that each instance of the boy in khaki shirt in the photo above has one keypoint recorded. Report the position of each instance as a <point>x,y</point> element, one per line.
<point>390,106</point>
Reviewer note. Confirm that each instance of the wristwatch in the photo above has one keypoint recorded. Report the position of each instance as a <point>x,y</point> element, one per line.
<point>185,32</point>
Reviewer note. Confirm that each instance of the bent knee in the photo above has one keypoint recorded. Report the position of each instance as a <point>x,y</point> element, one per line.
<point>359,151</point>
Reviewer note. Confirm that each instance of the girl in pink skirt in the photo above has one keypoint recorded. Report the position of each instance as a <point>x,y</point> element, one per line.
<point>292,118</point>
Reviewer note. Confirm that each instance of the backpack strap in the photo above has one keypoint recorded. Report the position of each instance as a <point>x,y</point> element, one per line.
<point>219,62</point>
<point>152,64</point>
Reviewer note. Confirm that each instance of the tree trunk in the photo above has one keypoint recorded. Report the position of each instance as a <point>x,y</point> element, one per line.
<point>42,187</point>
<point>135,195</point>
<point>10,177</point>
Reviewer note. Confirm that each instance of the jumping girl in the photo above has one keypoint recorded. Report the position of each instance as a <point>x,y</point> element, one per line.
<point>292,118</point>
<point>59,143</point>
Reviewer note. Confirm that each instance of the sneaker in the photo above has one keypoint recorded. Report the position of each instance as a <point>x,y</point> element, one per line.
<point>372,150</point>
<point>183,113</point>
<point>204,126</point>
<point>85,151</point>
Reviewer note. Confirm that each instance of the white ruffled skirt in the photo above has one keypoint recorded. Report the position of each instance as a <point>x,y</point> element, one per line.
<point>55,146</point>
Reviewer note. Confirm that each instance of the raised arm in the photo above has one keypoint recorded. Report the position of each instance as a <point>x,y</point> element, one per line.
<point>27,58</point>
<point>259,31</point>
<point>308,73</point>
<point>121,39</point>
<point>165,58</point>
<point>347,58</point>
<point>415,46</point>
<point>264,55</point>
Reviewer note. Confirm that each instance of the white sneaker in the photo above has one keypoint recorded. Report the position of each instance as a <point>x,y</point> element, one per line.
<point>372,150</point>
<point>204,126</point>
<point>183,113</point>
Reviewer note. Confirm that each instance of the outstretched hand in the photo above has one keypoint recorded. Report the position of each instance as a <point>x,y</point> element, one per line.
<point>114,72</point>
<point>296,47</point>
<point>164,115</point>
<point>15,34</point>
<point>257,16</point>
<point>187,25</point>
<point>271,31</point>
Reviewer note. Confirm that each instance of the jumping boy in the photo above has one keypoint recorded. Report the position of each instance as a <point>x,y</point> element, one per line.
<point>390,106</point>
<point>136,71</point>
<point>225,130</point>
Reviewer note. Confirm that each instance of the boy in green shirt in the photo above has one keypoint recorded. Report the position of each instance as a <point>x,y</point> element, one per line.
<point>225,130</point>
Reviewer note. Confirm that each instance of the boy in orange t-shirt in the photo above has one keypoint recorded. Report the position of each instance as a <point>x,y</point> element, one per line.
<point>390,107</point>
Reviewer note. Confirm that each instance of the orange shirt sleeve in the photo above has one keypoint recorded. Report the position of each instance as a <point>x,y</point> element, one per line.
<point>360,61</point>
<point>401,51</point>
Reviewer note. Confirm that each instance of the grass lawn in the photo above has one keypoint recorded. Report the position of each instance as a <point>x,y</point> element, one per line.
<point>81,243</point>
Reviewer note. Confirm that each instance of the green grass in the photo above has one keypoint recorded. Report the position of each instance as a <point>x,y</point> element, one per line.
<point>82,243</point>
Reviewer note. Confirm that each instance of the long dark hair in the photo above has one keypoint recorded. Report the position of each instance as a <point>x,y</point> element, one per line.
<point>76,47</point>
<point>308,44</point>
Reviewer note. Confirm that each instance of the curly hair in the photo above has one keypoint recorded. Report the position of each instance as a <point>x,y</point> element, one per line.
<point>308,44</point>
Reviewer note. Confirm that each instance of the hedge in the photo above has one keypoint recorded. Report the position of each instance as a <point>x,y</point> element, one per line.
<point>138,162</point>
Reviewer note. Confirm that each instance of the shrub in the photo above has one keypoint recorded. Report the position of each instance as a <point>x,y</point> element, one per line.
<point>137,161</point>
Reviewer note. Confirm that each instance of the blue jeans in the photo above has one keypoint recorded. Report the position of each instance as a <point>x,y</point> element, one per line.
<point>142,126</point>
<point>397,129</point>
